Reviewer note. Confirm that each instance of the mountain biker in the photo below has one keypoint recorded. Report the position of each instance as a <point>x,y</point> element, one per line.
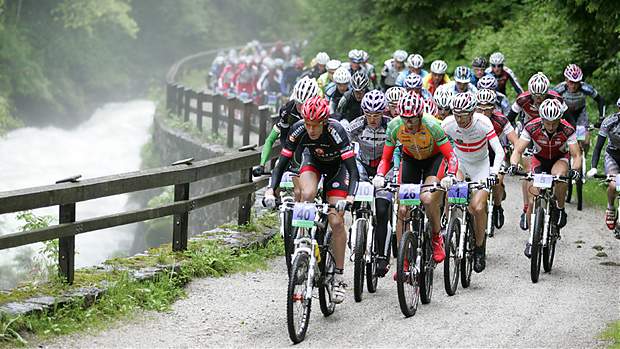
<point>318,68</point>
<point>437,76</point>
<point>461,82</point>
<point>355,63</point>
<point>472,134</point>
<point>369,131</point>
<point>486,99</point>
<point>478,65</point>
<point>330,155</point>
<point>442,97</point>
<point>225,83</point>
<point>415,62</point>
<point>245,78</point>
<point>290,75</point>
<point>270,79</point>
<point>328,76</point>
<point>335,90</point>
<point>413,82</point>
<point>392,68</point>
<point>554,143</point>
<point>610,129</point>
<point>503,74</point>
<point>393,95</point>
<point>370,70</point>
<point>349,106</point>
<point>488,81</point>
<point>424,149</point>
<point>217,66</point>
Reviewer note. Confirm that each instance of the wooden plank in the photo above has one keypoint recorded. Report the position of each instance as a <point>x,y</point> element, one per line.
<point>263,115</point>
<point>230,134</point>
<point>109,221</point>
<point>66,245</point>
<point>181,220</point>
<point>170,97</point>
<point>180,95</point>
<point>200,112</point>
<point>248,109</point>
<point>245,201</point>
<point>188,96</point>
<point>216,114</point>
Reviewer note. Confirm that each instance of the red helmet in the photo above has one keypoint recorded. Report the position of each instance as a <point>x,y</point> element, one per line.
<point>573,73</point>
<point>410,104</point>
<point>315,109</point>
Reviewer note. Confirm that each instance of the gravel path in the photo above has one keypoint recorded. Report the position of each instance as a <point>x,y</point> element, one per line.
<point>567,308</point>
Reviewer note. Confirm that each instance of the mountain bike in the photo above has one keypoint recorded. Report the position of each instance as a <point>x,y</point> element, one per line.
<point>578,184</point>
<point>616,179</point>
<point>363,238</point>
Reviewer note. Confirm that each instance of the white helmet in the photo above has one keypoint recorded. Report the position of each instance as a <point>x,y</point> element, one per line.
<point>496,58</point>
<point>305,89</point>
<point>364,56</point>
<point>538,84</point>
<point>321,58</point>
<point>394,93</point>
<point>342,75</point>
<point>486,96</point>
<point>415,61</point>
<point>551,109</point>
<point>439,67</point>
<point>269,63</point>
<point>333,64</point>
<point>463,102</point>
<point>399,56</point>
<point>356,56</point>
<point>443,95</point>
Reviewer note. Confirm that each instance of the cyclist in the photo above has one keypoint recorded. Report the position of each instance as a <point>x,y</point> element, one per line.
<point>330,155</point>
<point>328,76</point>
<point>472,134</point>
<point>245,78</point>
<point>356,58</point>
<point>393,95</point>
<point>349,106</point>
<point>270,79</point>
<point>392,68</point>
<point>490,82</point>
<point>442,97</point>
<point>225,83</point>
<point>370,70</point>
<point>437,76</point>
<point>461,83</point>
<point>424,149</point>
<point>554,143</point>
<point>369,131</point>
<point>318,68</point>
<point>413,82</point>
<point>486,99</point>
<point>574,91</point>
<point>610,129</point>
<point>478,65</point>
<point>415,62</point>
<point>336,89</point>
<point>290,75</point>
<point>527,103</point>
<point>289,114</point>
<point>217,66</point>
<point>503,74</point>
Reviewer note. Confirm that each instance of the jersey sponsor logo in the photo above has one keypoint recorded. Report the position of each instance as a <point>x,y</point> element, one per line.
<point>319,152</point>
<point>291,138</point>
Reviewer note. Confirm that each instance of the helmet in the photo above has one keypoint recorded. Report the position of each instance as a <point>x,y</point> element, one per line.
<point>415,61</point>
<point>462,74</point>
<point>269,63</point>
<point>442,97</point>
<point>486,96</point>
<point>342,76</point>
<point>411,104</point>
<point>321,58</point>
<point>551,109</point>
<point>497,58</point>
<point>479,62</point>
<point>359,81</point>
<point>463,102</point>
<point>305,89</point>
<point>413,81</point>
<point>333,64</point>
<point>374,102</point>
<point>279,62</point>
<point>219,60</point>
<point>364,56</point>
<point>394,93</point>
<point>430,107</point>
<point>399,55</point>
<point>439,67</point>
<point>538,84</point>
<point>315,109</point>
<point>488,81</point>
<point>573,73</point>
<point>355,56</point>
<point>618,103</point>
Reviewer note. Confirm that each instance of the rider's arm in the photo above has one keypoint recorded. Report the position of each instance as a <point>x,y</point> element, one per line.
<point>596,153</point>
<point>512,137</point>
<point>281,165</point>
<point>514,81</point>
<point>351,166</point>
<point>520,147</point>
<point>386,159</point>
<point>267,147</point>
<point>514,112</point>
<point>601,106</point>
<point>450,157</point>
<point>498,149</point>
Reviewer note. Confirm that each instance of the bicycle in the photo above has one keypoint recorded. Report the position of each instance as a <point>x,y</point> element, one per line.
<point>545,231</point>
<point>460,239</point>
<point>616,179</point>
<point>581,136</point>
<point>363,236</point>
<point>415,264</point>
<point>313,266</point>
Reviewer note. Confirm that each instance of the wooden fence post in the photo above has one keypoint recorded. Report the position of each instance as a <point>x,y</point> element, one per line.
<point>230,135</point>
<point>248,109</point>
<point>180,223</point>
<point>216,113</point>
<point>180,96</point>
<point>66,245</point>
<point>188,95</point>
<point>170,97</point>
<point>200,112</point>
<point>263,116</point>
<point>245,201</point>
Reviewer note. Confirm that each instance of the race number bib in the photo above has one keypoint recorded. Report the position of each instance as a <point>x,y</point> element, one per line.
<point>543,181</point>
<point>365,192</point>
<point>409,194</point>
<point>581,133</point>
<point>618,182</point>
<point>303,215</point>
<point>287,180</point>
<point>459,194</point>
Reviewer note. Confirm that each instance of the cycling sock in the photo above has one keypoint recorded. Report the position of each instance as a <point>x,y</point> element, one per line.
<point>525,207</point>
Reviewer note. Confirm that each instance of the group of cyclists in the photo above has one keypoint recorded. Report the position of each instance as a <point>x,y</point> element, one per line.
<point>344,124</point>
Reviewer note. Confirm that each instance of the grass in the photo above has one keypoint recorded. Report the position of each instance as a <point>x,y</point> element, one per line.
<point>125,295</point>
<point>612,334</point>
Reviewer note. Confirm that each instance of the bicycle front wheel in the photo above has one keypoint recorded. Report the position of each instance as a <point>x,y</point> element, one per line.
<point>359,261</point>
<point>427,267</point>
<point>539,224</point>
<point>467,262</point>
<point>326,289</point>
<point>299,298</point>
<point>451,263</point>
<point>407,278</point>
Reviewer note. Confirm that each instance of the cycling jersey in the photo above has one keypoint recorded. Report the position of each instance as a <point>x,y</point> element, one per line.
<point>502,104</point>
<point>288,115</point>
<point>505,76</point>
<point>289,77</point>
<point>370,140</point>
<point>334,96</point>
<point>389,74</point>
<point>474,79</point>
<point>610,130</point>
<point>547,146</point>
<point>427,82</point>
<point>325,156</point>
<point>471,145</point>
<point>525,104</point>
<point>576,114</point>
<point>501,124</point>
<point>400,80</point>
<point>323,81</point>
<point>349,107</point>
<point>269,81</point>
<point>470,88</point>
<point>425,94</point>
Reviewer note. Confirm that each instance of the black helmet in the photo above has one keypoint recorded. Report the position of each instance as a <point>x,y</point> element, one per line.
<point>359,81</point>
<point>479,62</point>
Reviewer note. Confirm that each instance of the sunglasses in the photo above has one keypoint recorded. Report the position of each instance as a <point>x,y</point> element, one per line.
<point>410,118</point>
<point>485,106</point>
<point>462,115</point>
<point>497,65</point>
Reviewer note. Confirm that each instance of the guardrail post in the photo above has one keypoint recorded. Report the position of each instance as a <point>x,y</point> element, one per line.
<point>263,116</point>
<point>179,230</point>
<point>170,97</point>
<point>245,201</point>
<point>180,96</point>
<point>66,245</point>
<point>248,108</point>
<point>218,100</point>
<point>230,135</point>
<point>200,112</point>
<point>188,95</point>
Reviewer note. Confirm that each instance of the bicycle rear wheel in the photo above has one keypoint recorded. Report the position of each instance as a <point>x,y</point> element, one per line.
<point>579,189</point>
<point>467,262</point>
<point>427,267</point>
<point>451,263</point>
<point>407,279</point>
<point>289,238</point>
<point>359,261</point>
<point>299,298</point>
<point>549,250</point>
<point>539,222</point>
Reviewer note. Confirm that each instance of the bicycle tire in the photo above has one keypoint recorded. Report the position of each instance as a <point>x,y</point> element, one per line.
<point>427,268</point>
<point>359,260</point>
<point>539,221</point>
<point>289,239</point>
<point>298,277</point>
<point>451,272</point>
<point>569,191</point>
<point>405,277</point>
<point>579,190</point>
<point>467,262</point>
<point>549,250</point>
<point>372,278</point>
<point>326,287</point>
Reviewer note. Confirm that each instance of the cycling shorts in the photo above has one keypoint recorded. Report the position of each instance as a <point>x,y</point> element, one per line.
<point>414,171</point>
<point>611,165</point>
<point>335,176</point>
<point>540,165</point>
<point>475,170</point>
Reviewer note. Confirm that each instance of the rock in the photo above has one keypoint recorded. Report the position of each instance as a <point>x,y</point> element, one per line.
<point>19,308</point>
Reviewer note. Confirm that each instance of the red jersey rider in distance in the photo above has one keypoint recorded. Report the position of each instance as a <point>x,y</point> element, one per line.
<point>529,101</point>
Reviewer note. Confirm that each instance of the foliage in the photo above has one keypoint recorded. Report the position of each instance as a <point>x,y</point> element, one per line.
<point>612,334</point>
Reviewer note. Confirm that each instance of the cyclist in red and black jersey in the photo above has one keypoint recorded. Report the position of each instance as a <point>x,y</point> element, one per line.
<point>503,74</point>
